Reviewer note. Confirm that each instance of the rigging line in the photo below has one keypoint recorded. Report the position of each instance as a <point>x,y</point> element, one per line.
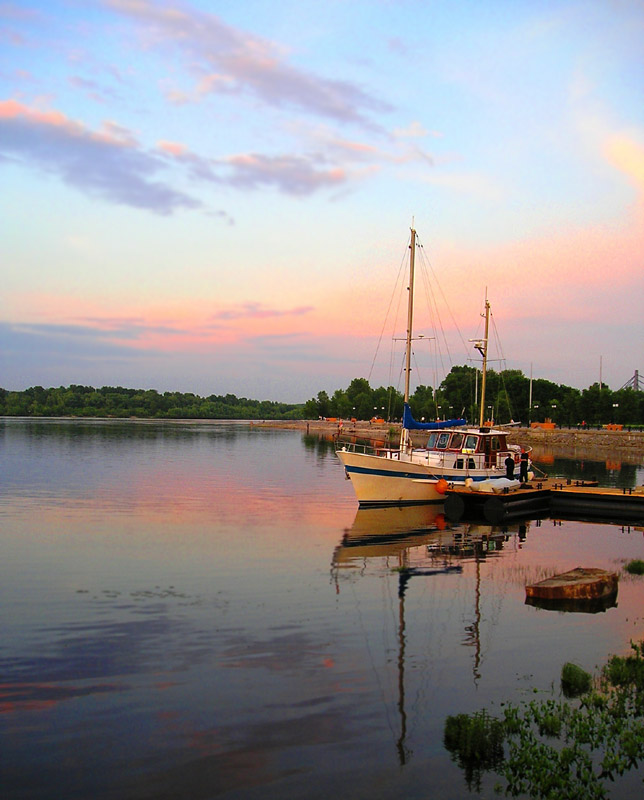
<point>497,341</point>
<point>497,338</point>
<point>434,312</point>
<point>424,258</point>
<point>444,339</point>
<point>374,669</point>
<point>401,373</point>
<point>392,353</point>
<point>435,315</point>
<point>396,384</point>
<point>391,299</point>
<point>416,367</point>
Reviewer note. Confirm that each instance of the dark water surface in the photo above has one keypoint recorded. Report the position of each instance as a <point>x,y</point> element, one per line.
<point>199,611</point>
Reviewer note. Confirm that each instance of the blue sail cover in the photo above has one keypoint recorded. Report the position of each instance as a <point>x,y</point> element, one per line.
<point>410,423</point>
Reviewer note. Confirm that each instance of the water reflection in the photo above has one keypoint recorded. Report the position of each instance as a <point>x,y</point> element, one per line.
<point>200,610</point>
<point>419,543</point>
<point>420,535</point>
<point>168,470</point>
<point>323,446</point>
<point>625,471</point>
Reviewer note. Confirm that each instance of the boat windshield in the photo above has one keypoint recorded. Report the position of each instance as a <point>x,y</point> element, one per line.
<point>470,443</point>
<point>443,441</point>
<point>457,441</point>
<point>431,442</point>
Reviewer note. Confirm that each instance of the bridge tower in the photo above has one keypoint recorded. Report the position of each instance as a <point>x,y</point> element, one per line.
<point>634,383</point>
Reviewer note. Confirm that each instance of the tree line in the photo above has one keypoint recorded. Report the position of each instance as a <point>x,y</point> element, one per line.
<point>116,401</point>
<point>508,398</point>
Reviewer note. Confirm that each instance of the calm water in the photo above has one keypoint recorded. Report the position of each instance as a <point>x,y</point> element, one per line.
<point>199,611</point>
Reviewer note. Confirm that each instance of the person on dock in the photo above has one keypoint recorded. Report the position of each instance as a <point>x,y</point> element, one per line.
<point>523,466</point>
<point>509,467</point>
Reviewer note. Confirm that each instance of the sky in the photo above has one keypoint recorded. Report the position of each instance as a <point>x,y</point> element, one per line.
<point>216,197</point>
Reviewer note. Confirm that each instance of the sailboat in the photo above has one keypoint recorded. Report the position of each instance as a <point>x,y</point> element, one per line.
<point>454,453</point>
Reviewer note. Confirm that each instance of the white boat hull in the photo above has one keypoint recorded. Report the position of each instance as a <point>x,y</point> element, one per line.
<point>381,480</point>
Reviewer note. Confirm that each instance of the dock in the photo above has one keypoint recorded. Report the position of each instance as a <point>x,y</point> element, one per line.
<point>557,497</point>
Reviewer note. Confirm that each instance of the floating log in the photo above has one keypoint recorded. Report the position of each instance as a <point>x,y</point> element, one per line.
<point>580,584</point>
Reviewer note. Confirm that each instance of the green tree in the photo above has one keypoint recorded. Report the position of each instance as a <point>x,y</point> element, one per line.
<point>360,396</point>
<point>340,404</point>
<point>422,403</point>
<point>458,390</point>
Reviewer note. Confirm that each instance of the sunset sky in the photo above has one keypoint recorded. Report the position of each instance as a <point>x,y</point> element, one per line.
<point>216,197</point>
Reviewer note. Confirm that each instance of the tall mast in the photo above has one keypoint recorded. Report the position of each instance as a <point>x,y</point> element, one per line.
<point>484,352</point>
<point>410,313</point>
<point>404,433</point>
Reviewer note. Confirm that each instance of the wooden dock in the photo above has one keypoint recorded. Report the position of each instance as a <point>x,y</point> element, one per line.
<point>558,497</point>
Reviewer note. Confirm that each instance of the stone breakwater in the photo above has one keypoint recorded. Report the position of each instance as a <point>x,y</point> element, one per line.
<point>574,439</point>
<point>603,442</point>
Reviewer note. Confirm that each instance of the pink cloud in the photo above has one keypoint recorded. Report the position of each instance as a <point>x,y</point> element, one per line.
<point>291,174</point>
<point>12,109</point>
<point>193,328</point>
<point>257,311</point>
<point>173,148</point>
<point>296,175</point>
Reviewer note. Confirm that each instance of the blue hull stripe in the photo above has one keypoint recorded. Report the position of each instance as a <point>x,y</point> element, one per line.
<point>412,475</point>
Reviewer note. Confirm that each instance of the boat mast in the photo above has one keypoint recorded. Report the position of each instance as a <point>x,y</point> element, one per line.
<point>483,351</point>
<point>410,313</point>
<point>404,436</point>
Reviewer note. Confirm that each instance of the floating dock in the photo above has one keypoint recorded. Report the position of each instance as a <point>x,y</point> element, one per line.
<point>558,497</point>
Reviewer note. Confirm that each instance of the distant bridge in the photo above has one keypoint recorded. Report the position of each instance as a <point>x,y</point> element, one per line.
<point>634,383</point>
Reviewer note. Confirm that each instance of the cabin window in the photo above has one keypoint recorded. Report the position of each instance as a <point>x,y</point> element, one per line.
<point>443,440</point>
<point>458,464</point>
<point>431,442</point>
<point>457,441</point>
<point>471,464</point>
<point>496,444</point>
<point>471,442</point>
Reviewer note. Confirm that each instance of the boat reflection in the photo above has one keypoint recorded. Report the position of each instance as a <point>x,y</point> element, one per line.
<point>420,535</point>
<point>415,541</point>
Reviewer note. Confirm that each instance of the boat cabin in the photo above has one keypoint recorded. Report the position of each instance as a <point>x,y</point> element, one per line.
<point>470,445</point>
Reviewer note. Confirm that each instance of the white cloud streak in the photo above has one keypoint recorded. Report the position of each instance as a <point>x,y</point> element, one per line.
<point>232,61</point>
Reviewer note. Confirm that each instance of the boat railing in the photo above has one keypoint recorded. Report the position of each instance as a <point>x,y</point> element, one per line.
<point>371,449</point>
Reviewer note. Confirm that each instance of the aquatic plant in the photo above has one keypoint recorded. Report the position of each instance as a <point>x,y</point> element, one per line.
<point>635,567</point>
<point>627,671</point>
<point>560,749</point>
<point>475,742</point>
<point>575,681</point>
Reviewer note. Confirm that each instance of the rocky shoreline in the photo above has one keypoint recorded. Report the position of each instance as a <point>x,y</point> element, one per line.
<point>593,441</point>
